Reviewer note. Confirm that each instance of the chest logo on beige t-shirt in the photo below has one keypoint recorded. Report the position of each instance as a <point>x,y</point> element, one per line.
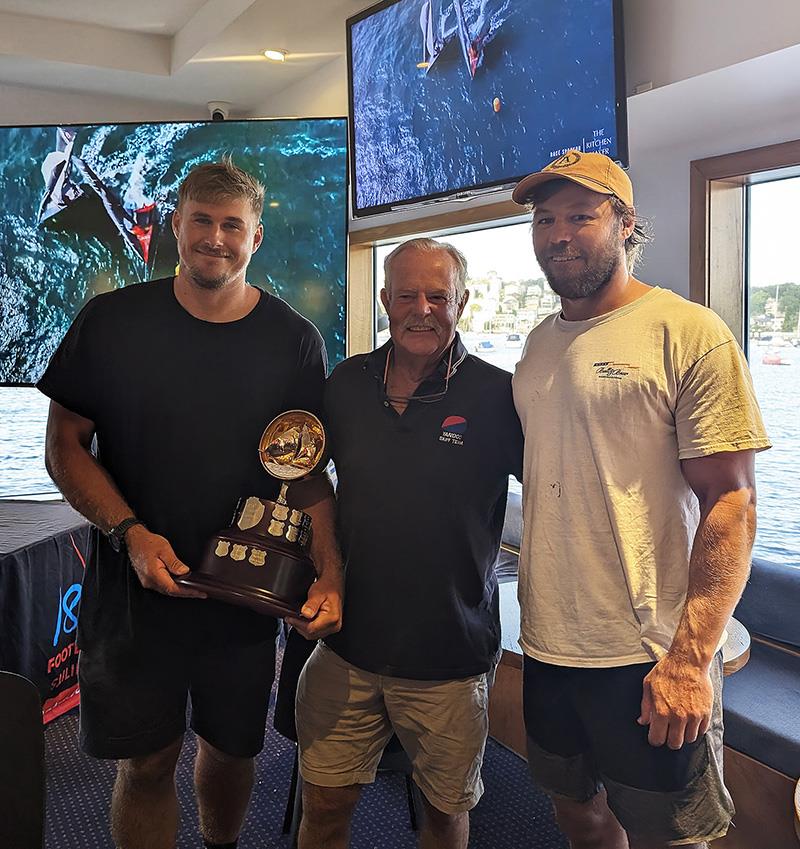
<point>613,371</point>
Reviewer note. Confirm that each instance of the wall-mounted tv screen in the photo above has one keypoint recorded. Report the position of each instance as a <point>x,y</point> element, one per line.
<point>87,209</point>
<point>453,96</point>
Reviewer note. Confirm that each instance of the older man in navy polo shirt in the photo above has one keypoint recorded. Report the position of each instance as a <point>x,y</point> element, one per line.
<point>424,437</point>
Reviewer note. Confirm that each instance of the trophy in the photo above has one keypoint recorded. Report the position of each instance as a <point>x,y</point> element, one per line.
<point>261,561</point>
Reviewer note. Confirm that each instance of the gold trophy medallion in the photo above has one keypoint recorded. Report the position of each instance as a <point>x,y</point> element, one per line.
<point>261,561</point>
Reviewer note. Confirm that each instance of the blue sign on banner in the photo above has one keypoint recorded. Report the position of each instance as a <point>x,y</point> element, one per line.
<point>67,612</point>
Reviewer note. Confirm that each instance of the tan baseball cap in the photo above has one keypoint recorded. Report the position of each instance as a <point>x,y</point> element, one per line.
<point>594,171</point>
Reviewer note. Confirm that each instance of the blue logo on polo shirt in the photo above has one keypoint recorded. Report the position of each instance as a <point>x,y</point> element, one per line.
<point>453,430</point>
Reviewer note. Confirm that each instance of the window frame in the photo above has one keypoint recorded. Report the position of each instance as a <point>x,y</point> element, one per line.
<point>718,208</point>
<point>718,233</point>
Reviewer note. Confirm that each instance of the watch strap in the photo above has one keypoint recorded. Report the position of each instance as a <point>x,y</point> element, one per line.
<point>117,533</point>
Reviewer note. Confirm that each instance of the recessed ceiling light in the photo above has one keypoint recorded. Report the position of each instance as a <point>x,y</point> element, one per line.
<point>276,55</point>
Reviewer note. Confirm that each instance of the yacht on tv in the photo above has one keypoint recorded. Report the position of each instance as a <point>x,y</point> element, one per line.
<point>436,35</point>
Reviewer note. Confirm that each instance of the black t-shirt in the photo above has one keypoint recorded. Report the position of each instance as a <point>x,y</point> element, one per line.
<point>421,500</point>
<point>179,405</point>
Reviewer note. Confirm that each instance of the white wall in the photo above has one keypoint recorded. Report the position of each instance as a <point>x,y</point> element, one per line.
<point>671,40</point>
<point>750,105</point>
<point>320,95</point>
<point>20,105</point>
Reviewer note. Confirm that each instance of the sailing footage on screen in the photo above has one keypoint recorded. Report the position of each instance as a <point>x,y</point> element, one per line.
<point>456,95</point>
<point>87,209</point>
<point>68,177</point>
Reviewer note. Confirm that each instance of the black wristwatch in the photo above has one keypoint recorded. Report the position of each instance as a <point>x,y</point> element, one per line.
<point>116,536</point>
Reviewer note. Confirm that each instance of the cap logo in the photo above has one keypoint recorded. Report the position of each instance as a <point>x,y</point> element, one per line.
<point>570,158</point>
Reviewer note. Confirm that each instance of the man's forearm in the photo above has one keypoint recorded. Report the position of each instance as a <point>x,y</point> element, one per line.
<point>718,570</point>
<point>324,546</point>
<point>314,495</point>
<point>86,485</point>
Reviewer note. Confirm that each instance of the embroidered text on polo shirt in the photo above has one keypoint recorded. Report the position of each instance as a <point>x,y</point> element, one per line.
<point>453,430</point>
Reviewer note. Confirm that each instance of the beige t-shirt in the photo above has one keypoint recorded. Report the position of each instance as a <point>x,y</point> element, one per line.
<point>608,407</point>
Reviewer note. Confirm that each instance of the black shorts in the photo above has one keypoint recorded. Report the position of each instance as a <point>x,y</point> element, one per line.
<point>583,735</point>
<point>133,699</point>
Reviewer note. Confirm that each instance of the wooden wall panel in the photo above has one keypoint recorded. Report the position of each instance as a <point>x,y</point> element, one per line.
<point>360,300</point>
<point>439,221</point>
<point>726,252</point>
<point>505,704</point>
<point>764,808</point>
<point>717,224</point>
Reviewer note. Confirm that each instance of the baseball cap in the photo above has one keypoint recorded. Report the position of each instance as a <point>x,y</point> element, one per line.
<point>594,171</point>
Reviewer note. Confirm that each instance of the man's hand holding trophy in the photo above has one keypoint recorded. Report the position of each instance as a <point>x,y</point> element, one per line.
<point>262,560</point>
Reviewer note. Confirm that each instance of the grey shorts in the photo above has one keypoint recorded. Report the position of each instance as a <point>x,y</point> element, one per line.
<point>583,735</point>
<point>346,716</point>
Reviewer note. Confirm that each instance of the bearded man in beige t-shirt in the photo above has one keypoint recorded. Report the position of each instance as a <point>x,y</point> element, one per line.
<point>641,426</point>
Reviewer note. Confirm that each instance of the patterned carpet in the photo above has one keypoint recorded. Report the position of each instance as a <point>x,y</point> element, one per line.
<point>512,814</point>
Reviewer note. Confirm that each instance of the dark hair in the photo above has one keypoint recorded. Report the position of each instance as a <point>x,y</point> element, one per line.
<point>641,235</point>
<point>642,229</point>
<point>217,181</point>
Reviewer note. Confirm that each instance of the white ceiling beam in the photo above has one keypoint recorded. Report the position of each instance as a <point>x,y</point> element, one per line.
<point>83,44</point>
<point>208,22</point>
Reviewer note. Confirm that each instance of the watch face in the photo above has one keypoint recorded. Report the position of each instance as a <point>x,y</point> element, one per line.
<point>113,539</point>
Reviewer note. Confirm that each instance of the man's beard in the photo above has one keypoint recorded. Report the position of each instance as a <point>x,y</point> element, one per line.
<point>597,274</point>
<point>211,284</point>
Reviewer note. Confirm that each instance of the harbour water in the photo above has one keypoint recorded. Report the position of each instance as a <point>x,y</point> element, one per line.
<point>23,417</point>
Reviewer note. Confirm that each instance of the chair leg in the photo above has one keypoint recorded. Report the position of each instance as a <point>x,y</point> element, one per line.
<point>288,814</point>
<point>297,812</point>
<point>411,798</point>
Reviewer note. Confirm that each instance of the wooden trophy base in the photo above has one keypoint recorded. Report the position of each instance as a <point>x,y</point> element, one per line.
<point>251,571</point>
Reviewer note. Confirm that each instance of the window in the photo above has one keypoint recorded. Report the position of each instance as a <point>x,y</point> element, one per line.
<point>743,264</point>
<point>508,293</point>
<point>24,420</point>
<point>773,299</point>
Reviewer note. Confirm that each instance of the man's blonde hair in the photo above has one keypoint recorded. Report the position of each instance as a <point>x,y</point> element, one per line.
<point>219,181</point>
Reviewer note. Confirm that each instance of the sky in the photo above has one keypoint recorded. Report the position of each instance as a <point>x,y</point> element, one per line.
<point>774,257</point>
<point>507,250</point>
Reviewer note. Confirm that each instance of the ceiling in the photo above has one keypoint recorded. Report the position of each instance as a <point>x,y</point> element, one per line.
<point>176,51</point>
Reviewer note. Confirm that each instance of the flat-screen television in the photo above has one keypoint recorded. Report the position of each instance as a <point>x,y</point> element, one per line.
<point>458,96</point>
<point>87,209</point>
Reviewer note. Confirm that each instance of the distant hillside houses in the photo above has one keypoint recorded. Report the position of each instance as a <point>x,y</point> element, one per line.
<point>775,309</point>
<point>507,306</point>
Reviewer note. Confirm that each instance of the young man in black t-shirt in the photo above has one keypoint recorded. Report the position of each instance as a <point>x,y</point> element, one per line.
<point>424,437</point>
<point>176,379</point>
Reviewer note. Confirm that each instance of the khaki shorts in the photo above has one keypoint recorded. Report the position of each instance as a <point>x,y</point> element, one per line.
<point>346,716</point>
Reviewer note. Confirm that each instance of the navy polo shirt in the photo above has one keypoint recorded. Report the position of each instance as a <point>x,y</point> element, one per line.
<point>421,502</point>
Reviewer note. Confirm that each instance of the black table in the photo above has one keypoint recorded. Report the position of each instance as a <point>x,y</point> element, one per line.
<point>44,546</point>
